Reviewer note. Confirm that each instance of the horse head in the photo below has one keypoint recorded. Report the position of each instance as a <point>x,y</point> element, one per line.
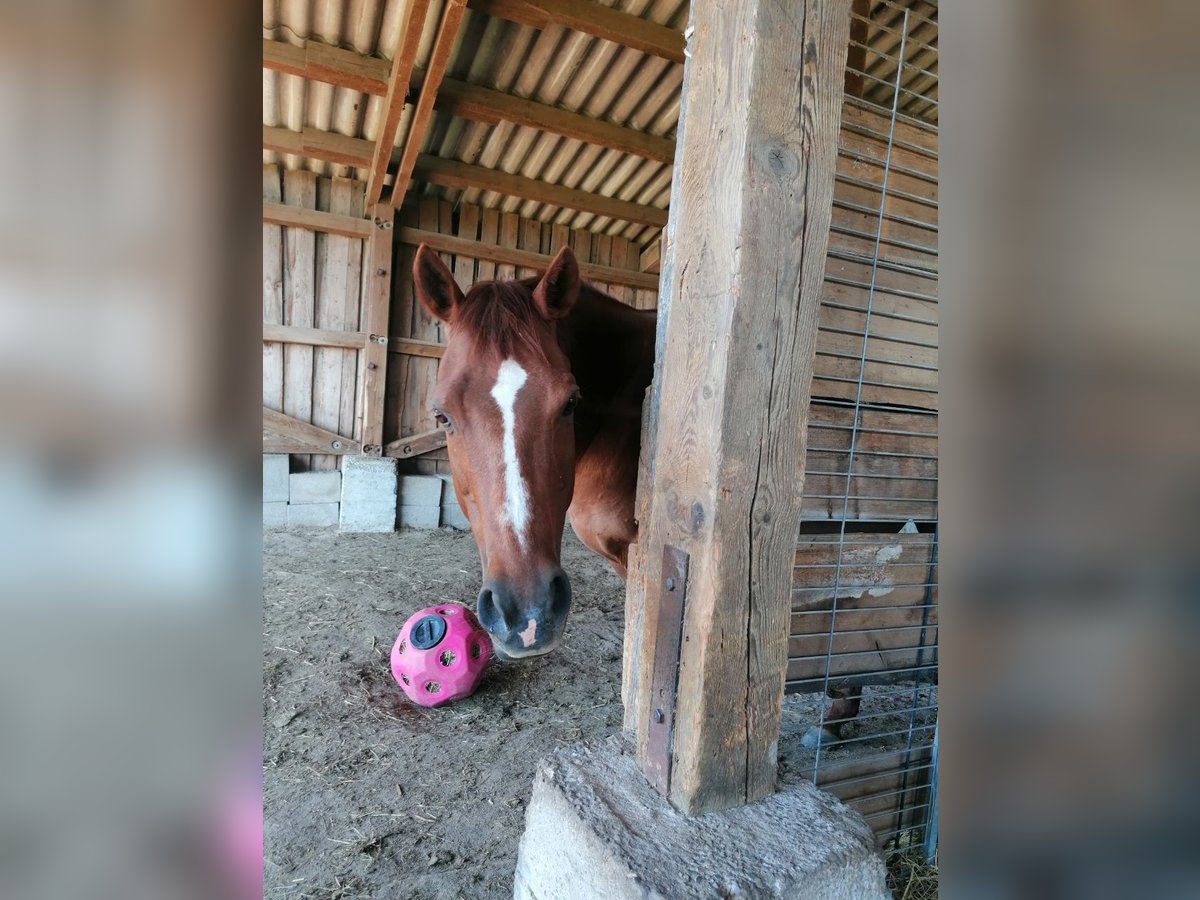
<point>506,398</point>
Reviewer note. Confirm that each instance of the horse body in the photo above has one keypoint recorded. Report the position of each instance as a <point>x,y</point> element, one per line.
<point>540,392</point>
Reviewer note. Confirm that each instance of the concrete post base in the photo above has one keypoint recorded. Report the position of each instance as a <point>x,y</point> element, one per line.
<point>596,829</point>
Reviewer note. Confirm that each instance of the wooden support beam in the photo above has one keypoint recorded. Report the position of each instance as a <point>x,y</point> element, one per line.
<point>439,57</point>
<point>317,144</point>
<point>376,297</point>
<point>416,444</point>
<point>651,257</point>
<point>590,18</point>
<point>451,173</point>
<point>370,75</point>
<point>411,347</point>
<point>316,337</point>
<point>325,62</point>
<point>480,104</point>
<point>393,105</point>
<point>527,259</point>
<point>311,219</point>
<point>284,434</point>
<point>726,423</point>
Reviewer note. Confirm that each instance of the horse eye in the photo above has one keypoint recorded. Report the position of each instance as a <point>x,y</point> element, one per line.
<point>442,420</point>
<point>571,404</point>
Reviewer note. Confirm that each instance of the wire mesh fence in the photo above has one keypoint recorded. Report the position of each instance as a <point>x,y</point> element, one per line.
<point>864,644</point>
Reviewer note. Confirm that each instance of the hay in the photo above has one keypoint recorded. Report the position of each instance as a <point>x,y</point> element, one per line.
<point>911,877</point>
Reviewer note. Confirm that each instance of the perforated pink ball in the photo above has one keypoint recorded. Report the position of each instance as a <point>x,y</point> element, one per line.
<point>440,654</point>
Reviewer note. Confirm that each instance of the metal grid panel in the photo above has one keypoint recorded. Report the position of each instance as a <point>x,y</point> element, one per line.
<point>864,623</point>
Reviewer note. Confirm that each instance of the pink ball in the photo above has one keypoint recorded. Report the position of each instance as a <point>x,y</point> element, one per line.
<point>440,654</point>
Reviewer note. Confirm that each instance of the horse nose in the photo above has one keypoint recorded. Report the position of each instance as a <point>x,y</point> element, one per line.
<point>497,609</point>
<point>559,596</point>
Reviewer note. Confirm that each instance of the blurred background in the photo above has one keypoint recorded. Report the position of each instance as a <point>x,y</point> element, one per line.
<point>129,537</point>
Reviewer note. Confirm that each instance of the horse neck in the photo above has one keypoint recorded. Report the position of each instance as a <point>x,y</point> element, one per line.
<point>610,347</point>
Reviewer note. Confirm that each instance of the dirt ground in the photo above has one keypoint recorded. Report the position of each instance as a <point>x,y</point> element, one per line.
<point>367,795</point>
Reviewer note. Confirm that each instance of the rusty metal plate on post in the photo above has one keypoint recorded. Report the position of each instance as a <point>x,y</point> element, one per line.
<point>665,677</point>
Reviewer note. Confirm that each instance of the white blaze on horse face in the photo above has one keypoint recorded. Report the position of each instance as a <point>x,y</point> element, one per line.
<point>509,381</point>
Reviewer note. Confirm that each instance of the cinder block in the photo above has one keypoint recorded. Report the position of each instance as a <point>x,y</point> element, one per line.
<point>594,819</point>
<point>420,516</point>
<point>452,517</point>
<point>275,477</point>
<point>420,490</point>
<point>312,515</point>
<point>449,497</point>
<point>315,487</point>
<point>275,515</point>
<point>368,494</point>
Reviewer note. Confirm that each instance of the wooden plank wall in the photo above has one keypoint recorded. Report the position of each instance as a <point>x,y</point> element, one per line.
<point>312,279</point>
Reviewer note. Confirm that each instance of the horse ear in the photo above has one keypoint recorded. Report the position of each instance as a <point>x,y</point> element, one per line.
<point>434,284</point>
<point>556,293</point>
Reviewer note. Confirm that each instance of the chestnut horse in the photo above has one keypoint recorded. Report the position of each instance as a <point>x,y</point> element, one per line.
<point>540,394</point>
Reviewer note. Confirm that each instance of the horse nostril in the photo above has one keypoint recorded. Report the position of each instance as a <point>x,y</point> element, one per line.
<point>560,596</point>
<point>496,615</point>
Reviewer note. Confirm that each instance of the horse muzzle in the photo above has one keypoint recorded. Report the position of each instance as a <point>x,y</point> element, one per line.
<point>525,623</point>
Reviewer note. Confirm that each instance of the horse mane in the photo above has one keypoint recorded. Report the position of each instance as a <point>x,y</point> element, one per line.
<point>501,314</point>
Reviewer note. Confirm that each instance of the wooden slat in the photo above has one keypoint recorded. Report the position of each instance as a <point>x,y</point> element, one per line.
<point>727,460</point>
<point>348,420</point>
<point>272,292</point>
<point>411,347</point>
<point>401,318</point>
<point>285,434</point>
<point>376,293</point>
<point>324,62</point>
<point>315,337</point>
<point>299,190</point>
<point>317,144</point>
<point>393,105</point>
<point>451,173</point>
<point>416,444</point>
<point>590,18</point>
<point>650,257</point>
<point>489,237</point>
<point>333,255</point>
<point>313,220</point>
<point>439,57</point>
<point>480,104</point>
<point>510,225</point>
<point>512,257</point>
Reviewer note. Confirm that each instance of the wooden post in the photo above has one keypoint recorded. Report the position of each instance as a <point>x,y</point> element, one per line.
<point>742,274</point>
<point>376,295</point>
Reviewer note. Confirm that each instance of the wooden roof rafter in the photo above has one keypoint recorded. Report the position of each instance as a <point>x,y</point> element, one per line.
<point>439,58</point>
<point>397,91</point>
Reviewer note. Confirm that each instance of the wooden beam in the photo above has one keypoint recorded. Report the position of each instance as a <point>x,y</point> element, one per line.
<point>451,173</point>
<point>393,105</point>
<point>316,337</point>
<point>527,259</point>
<point>439,57</point>
<point>416,444</point>
<point>411,347</point>
<point>856,55</point>
<point>727,414</point>
<point>324,62</point>
<point>284,434</point>
<point>590,18</point>
<point>651,257</point>
<point>311,219</point>
<point>480,104</point>
<point>317,144</point>
<point>377,295</point>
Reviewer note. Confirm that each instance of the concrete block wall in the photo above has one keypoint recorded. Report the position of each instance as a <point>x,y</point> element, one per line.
<point>299,499</point>
<point>366,496</point>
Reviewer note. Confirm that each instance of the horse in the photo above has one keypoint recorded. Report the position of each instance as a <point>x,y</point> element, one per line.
<point>539,393</point>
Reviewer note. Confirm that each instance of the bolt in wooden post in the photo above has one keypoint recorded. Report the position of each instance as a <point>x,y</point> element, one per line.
<point>745,258</point>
